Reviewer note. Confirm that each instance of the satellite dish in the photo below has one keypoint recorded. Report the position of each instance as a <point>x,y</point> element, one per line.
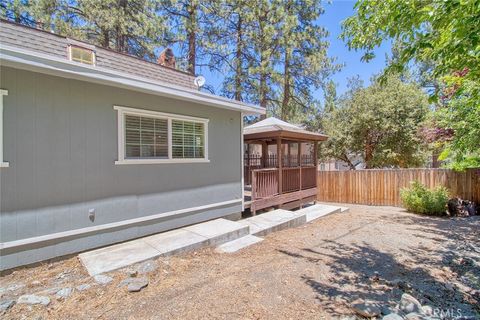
<point>199,81</point>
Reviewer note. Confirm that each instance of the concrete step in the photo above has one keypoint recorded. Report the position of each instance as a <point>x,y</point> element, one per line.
<point>238,244</point>
<point>344,209</point>
<point>272,221</point>
<point>319,210</point>
<point>210,233</point>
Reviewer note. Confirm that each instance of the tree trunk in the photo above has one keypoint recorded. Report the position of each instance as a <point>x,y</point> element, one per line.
<point>368,154</point>
<point>192,54</point>
<point>263,66</point>
<point>238,64</point>
<point>106,39</point>
<point>285,114</point>
<point>120,44</point>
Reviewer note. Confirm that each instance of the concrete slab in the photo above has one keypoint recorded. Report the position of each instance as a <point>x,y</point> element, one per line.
<point>318,211</point>
<point>176,241</point>
<point>238,244</point>
<point>272,221</point>
<point>219,231</point>
<point>214,232</point>
<point>116,256</point>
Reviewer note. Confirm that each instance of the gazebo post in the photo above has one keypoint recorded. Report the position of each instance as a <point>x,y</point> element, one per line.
<point>300,169</point>
<point>264,154</point>
<point>315,163</point>
<point>280,164</point>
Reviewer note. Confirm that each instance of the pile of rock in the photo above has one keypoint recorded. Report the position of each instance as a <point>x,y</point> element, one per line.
<point>462,208</point>
<point>408,308</point>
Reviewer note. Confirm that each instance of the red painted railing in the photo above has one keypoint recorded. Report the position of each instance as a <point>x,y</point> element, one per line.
<point>265,182</point>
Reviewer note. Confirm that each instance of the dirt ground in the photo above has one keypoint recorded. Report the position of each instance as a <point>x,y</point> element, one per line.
<point>315,271</point>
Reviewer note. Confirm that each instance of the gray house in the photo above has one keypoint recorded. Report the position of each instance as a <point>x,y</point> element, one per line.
<point>98,147</point>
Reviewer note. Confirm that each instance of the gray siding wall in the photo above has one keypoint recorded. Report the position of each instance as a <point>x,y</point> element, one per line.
<point>60,138</point>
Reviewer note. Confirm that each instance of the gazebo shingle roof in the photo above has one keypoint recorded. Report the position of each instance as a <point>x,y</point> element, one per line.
<point>273,128</point>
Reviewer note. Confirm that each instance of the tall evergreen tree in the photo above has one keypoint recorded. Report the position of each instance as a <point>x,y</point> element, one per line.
<point>305,62</point>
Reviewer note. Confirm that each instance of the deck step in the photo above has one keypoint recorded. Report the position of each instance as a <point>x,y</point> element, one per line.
<point>210,233</point>
<point>272,221</point>
<point>238,244</point>
<point>319,210</point>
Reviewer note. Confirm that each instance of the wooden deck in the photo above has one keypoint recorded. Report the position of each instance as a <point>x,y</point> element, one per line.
<point>292,188</point>
<point>280,165</point>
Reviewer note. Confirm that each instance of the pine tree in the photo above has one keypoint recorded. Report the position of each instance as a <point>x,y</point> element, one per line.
<point>305,64</point>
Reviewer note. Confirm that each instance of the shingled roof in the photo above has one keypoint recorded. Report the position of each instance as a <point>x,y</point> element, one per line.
<point>273,127</point>
<point>56,45</point>
<point>41,51</point>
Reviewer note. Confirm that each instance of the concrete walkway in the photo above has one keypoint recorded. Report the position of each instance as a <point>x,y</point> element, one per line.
<point>210,233</point>
<point>265,223</point>
<point>228,236</point>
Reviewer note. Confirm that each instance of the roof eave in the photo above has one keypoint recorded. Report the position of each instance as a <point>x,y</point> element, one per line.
<point>34,61</point>
<point>284,134</point>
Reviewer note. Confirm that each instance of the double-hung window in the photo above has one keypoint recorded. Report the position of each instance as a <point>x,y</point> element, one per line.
<point>157,137</point>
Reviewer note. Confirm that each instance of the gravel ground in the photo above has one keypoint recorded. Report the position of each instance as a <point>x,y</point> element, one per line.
<point>316,271</point>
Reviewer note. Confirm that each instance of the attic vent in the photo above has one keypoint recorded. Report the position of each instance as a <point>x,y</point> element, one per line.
<point>82,55</point>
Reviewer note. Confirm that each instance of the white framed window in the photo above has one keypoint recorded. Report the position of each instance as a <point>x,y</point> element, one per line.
<point>81,52</point>
<point>150,137</point>
<point>2,163</point>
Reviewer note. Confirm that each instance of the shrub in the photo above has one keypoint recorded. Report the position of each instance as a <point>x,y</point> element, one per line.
<point>419,199</point>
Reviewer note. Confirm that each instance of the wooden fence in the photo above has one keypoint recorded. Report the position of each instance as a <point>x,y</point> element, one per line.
<point>382,187</point>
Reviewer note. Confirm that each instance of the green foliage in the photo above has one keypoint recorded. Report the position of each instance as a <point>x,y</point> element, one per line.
<point>130,26</point>
<point>462,115</point>
<point>419,199</point>
<point>270,52</point>
<point>444,37</point>
<point>379,124</point>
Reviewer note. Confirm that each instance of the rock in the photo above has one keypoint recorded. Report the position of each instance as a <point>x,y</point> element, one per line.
<point>102,279</point>
<point>409,304</point>
<point>427,310</point>
<point>6,304</point>
<point>83,287</point>
<point>386,310</point>
<point>125,282</point>
<point>400,284</point>
<point>15,287</point>
<point>137,284</point>
<point>392,316</point>
<point>132,273</point>
<point>53,290</point>
<point>449,287</point>
<point>147,266</point>
<point>415,316</point>
<point>366,309</point>
<point>64,293</point>
<point>33,299</point>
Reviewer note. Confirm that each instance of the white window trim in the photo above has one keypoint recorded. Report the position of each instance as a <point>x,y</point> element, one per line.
<point>3,164</point>
<point>122,111</point>
<point>81,45</point>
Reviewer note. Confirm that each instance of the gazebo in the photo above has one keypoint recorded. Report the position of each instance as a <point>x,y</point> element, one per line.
<point>286,181</point>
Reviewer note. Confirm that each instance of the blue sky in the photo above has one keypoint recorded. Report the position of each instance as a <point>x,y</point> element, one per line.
<point>335,13</point>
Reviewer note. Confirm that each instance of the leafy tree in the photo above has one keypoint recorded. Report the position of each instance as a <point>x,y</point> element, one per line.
<point>458,122</point>
<point>443,36</point>
<point>379,124</point>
